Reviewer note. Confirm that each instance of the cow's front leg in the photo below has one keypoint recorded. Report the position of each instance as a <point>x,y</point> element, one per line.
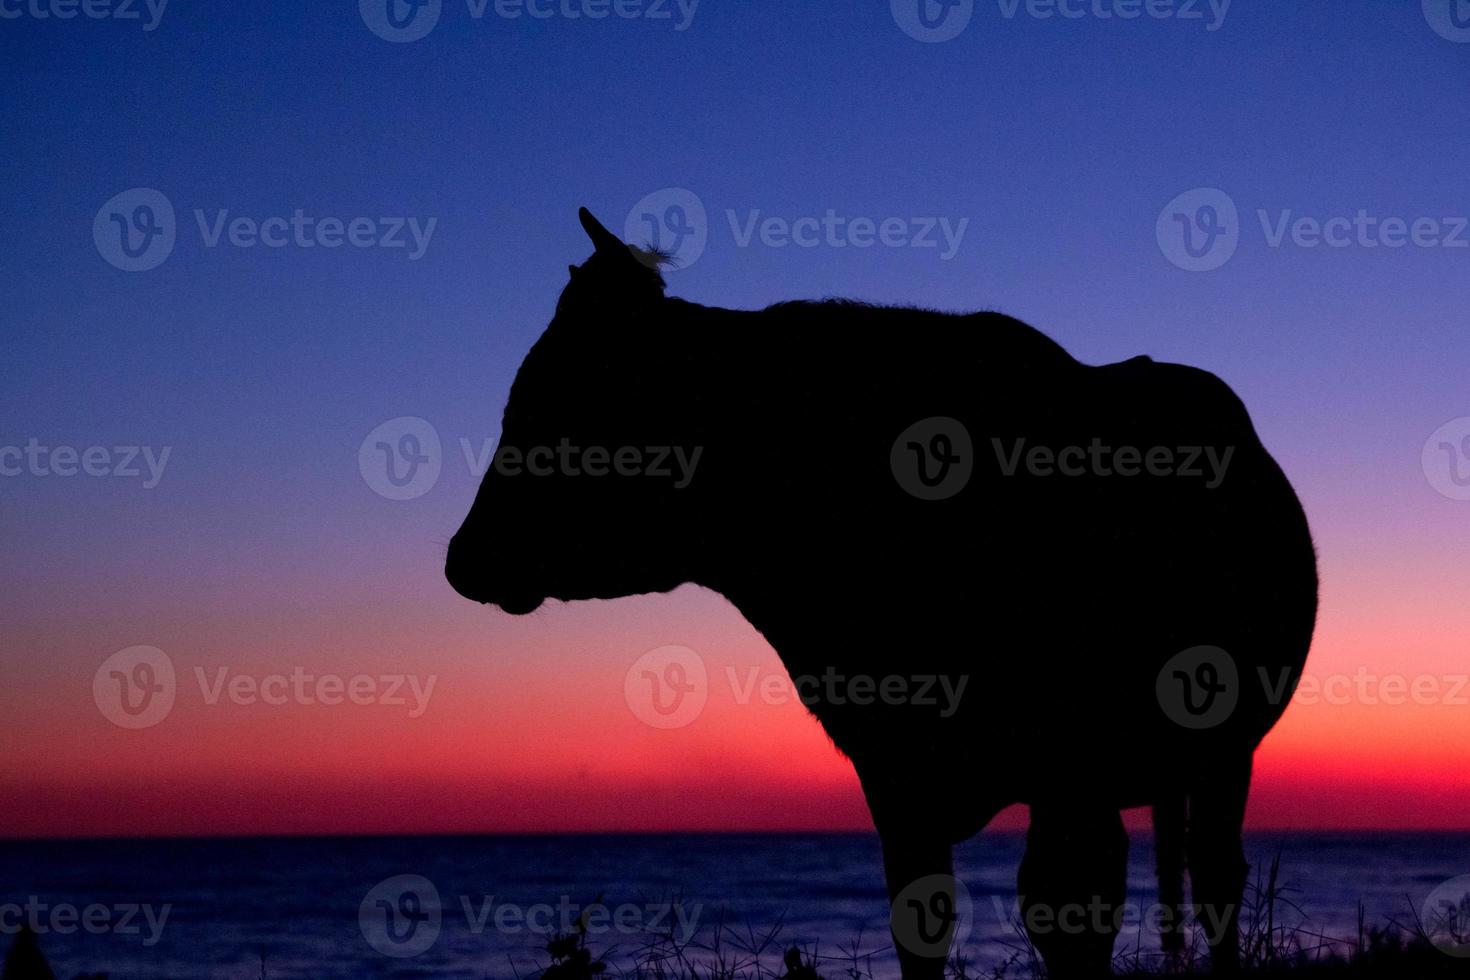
<point>1073,884</point>
<point>921,891</point>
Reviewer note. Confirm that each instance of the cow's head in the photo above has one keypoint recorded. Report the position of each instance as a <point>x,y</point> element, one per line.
<point>587,496</point>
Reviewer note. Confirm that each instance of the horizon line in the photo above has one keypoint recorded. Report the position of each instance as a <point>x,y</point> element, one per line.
<point>542,834</point>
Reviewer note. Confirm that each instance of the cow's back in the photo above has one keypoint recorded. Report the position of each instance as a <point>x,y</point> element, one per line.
<point>1059,596</point>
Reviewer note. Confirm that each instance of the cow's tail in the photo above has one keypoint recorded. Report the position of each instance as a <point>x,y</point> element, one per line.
<point>1171,816</point>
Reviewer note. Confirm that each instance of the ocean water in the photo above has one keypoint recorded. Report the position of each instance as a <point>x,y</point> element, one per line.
<point>484,907</point>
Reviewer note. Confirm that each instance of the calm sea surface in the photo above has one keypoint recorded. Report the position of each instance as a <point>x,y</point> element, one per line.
<point>477,907</point>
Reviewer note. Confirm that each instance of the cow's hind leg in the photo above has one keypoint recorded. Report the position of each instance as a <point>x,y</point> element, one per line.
<point>1073,883</point>
<point>1169,817</point>
<point>1217,866</point>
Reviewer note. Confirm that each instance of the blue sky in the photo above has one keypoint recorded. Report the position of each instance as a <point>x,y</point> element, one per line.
<point>1057,140</point>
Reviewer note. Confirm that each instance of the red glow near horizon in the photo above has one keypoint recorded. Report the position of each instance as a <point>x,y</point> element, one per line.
<point>527,730</point>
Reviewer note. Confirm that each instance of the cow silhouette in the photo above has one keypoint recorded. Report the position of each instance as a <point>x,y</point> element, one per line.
<point>1105,556</point>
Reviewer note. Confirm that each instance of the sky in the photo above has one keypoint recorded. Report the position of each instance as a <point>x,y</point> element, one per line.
<point>409,199</point>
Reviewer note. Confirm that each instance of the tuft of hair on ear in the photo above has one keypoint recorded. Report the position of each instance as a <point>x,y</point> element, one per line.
<point>654,257</point>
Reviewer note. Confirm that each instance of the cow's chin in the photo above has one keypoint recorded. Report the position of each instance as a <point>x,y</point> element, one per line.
<point>519,605</point>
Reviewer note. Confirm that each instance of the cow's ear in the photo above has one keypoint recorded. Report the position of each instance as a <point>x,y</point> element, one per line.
<point>605,241</point>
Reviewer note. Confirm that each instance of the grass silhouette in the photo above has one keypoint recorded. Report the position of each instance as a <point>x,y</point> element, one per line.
<point>1277,940</point>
